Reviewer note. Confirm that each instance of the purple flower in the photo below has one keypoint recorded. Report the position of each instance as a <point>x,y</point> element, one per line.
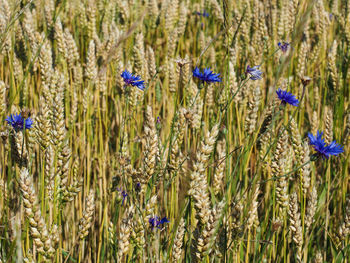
<point>204,14</point>
<point>322,148</point>
<point>156,222</point>
<point>153,222</point>
<point>283,46</point>
<point>287,97</point>
<point>135,81</point>
<point>164,220</point>
<point>254,72</point>
<point>123,193</point>
<point>331,16</point>
<point>207,76</point>
<point>17,122</point>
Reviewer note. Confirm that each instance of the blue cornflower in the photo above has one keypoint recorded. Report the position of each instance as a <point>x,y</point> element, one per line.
<point>17,121</point>
<point>158,123</point>
<point>204,14</point>
<point>254,72</point>
<point>153,222</point>
<point>156,222</point>
<point>287,97</point>
<point>207,76</point>
<point>331,16</point>
<point>135,81</point>
<point>283,46</point>
<point>123,193</point>
<point>322,148</point>
<point>164,220</point>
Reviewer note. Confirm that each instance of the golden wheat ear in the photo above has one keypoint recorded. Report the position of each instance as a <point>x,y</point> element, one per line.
<point>38,229</point>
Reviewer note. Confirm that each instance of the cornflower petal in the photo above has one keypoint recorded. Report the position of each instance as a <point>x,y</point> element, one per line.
<point>156,222</point>
<point>254,72</point>
<point>17,122</point>
<point>131,80</point>
<point>284,46</point>
<point>207,76</point>
<point>287,97</point>
<point>322,149</point>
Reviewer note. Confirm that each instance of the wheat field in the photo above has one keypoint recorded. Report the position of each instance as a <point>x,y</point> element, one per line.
<point>174,131</point>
